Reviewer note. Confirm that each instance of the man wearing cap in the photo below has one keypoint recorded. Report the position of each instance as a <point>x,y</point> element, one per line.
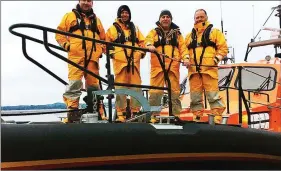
<point>207,47</point>
<point>126,62</point>
<point>81,21</point>
<point>166,39</point>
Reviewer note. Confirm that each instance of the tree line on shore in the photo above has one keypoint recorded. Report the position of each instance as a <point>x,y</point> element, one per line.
<point>32,107</point>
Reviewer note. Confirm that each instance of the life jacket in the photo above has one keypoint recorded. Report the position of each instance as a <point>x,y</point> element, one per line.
<point>80,24</point>
<point>121,38</point>
<point>205,42</point>
<point>162,41</point>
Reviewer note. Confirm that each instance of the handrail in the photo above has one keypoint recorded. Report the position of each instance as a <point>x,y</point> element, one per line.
<point>256,44</point>
<point>110,77</point>
<point>26,25</point>
<point>266,42</point>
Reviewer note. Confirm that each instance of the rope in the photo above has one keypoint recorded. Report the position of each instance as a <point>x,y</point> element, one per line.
<point>179,61</point>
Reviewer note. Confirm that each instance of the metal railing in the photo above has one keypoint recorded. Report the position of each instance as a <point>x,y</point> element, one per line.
<point>110,78</point>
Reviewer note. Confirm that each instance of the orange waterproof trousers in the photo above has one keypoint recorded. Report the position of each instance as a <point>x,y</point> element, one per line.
<point>73,90</point>
<point>155,95</point>
<point>128,78</point>
<point>210,84</point>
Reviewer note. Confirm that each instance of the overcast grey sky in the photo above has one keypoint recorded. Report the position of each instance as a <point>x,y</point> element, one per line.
<point>24,83</point>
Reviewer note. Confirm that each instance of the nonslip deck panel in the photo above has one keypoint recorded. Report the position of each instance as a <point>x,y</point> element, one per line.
<point>63,141</point>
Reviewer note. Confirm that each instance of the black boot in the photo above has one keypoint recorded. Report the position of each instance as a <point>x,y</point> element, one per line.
<point>74,116</point>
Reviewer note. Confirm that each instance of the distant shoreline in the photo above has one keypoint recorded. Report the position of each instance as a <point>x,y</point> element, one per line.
<point>37,107</point>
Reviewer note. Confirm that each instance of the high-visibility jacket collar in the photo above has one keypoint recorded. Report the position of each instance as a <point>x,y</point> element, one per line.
<point>122,24</point>
<point>200,27</point>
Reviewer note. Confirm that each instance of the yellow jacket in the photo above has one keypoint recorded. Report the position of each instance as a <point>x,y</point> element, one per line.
<point>180,51</point>
<point>74,45</point>
<point>118,54</point>
<point>218,38</point>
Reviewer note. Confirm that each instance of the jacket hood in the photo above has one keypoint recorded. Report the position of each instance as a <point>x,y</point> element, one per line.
<point>124,8</point>
<point>87,13</point>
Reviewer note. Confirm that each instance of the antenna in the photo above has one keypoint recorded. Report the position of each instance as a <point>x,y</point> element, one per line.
<point>221,17</point>
<point>273,9</point>
<point>253,22</point>
<point>279,13</point>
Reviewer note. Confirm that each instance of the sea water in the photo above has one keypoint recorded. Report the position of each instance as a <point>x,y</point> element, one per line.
<point>33,118</point>
<point>53,117</point>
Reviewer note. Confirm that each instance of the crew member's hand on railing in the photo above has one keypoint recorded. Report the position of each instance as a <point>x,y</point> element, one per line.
<point>186,62</point>
<point>151,48</point>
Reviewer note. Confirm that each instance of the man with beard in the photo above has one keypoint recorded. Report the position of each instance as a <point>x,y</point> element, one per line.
<point>166,39</point>
<point>207,47</point>
<point>126,62</point>
<point>81,21</point>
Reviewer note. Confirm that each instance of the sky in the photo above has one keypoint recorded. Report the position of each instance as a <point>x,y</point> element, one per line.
<point>23,83</point>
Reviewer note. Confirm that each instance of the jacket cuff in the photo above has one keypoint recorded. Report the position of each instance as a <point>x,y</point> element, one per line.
<point>219,57</point>
<point>66,46</point>
<point>216,59</point>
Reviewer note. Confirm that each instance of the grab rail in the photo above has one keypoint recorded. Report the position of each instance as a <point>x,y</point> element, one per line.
<point>110,77</point>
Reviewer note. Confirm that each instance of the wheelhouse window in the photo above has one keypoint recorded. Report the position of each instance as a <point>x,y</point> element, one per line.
<point>258,78</point>
<point>225,77</point>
